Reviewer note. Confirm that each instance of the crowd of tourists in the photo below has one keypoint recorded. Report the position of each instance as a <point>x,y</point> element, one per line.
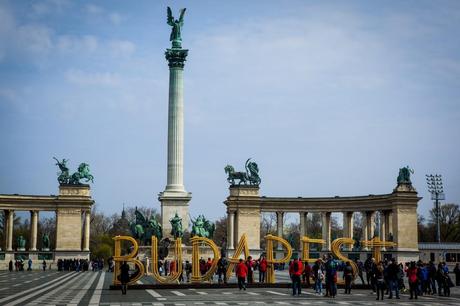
<point>387,277</point>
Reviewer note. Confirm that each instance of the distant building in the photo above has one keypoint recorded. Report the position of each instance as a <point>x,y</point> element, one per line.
<point>436,252</point>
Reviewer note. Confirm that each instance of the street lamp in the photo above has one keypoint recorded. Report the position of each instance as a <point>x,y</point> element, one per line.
<point>437,193</point>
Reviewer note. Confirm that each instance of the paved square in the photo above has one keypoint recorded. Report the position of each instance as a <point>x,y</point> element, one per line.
<point>92,288</point>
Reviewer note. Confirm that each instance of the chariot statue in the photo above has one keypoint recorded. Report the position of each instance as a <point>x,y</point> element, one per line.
<point>176,28</point>
<point>64,178</point>
<point>143,229</point>
<point>404,175</point>
<point>176,227</point>
<point>251,175</point>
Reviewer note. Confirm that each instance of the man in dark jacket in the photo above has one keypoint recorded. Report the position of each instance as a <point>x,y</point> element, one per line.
<point>392,274</point>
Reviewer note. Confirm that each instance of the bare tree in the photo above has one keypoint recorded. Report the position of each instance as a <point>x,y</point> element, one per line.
<point>450,222</point>
<point>220,234</point>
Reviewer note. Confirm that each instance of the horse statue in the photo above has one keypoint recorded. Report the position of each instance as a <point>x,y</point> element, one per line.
<point>233,175</point>
<point>63,177</point>
<point>210,228</point>
<point>404,175</point>
<point>143,229</point>
<point>176,227</point>
<point>251,175</point>
<point>153,229</point>
<point>82,173</point>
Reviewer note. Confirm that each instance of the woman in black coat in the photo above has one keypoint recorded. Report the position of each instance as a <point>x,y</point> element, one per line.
<point>124,277</point>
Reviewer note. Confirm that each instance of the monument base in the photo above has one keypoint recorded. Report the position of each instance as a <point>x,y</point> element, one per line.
<point>172,203</point>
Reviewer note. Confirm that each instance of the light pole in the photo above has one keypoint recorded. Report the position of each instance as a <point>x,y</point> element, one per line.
<point>437,193</point>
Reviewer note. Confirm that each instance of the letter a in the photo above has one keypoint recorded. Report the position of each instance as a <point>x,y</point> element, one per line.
<point>242,246</point>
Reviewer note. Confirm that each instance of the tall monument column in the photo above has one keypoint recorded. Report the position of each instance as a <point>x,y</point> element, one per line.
<point>174,199</point>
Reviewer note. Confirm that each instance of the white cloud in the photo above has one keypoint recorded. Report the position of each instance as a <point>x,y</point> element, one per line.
<point>115,18</point>
<point>77,44</point>
<point>94,9</point>
<point>49,6</point>
<point>122,48</point>
<point>80,77</point>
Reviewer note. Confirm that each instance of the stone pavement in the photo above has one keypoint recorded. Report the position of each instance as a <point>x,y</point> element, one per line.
<point>91,288</point>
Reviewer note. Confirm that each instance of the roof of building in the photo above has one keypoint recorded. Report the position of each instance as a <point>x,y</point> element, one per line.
<point>439,246</point>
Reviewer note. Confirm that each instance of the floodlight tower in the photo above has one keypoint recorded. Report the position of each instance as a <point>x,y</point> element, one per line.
<point>437,193</point>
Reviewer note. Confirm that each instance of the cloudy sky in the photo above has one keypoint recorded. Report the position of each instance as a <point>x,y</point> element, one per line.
<point>328,97</point>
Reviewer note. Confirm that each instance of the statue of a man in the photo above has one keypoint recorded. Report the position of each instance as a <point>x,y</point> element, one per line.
<point>176,27</point>
<point>176,227</point>
<point>46,241</point>
<point>21,242</point>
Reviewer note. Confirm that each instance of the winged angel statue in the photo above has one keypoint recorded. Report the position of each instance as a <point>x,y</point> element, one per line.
<point>176,28</point>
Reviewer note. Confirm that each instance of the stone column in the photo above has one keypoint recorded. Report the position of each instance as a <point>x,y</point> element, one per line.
<point>303,224</point>
<point>10,221</point>
<point>174,199</point>
<point>382,227</point>
<point>388,224</point>
<point>87,227</point>
<point>279,226</point>
<point>365,234</point>
<point>370,224</point>
<point>230,230</point>
<point>347,227</point>
<point>326,228</point>
<point>33,230</point>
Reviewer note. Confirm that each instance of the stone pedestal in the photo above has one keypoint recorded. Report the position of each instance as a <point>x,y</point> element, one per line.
<point>172,203</point>
<point>69,218</point>
<point>247,217</point>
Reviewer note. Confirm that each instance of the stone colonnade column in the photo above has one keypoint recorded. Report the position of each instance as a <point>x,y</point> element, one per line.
<point>387,224</point>
<point>87,227</point>
<point>326,228</point>
<point>303,226</point>
<point>303,223</point>
<point>347,226</point>
<point>382,227</point>
<point>230,230</point>
<point>33,230</point>
<point>370,224</point>
<point>9,228</point>
<point>279,226</point>
<point>365,235</point>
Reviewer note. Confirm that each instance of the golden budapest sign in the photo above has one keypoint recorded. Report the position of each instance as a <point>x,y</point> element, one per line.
<point>376,244</point>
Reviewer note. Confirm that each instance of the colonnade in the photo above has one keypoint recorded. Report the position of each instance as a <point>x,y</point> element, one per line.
<point>368,226</point>
<point>34,215</point>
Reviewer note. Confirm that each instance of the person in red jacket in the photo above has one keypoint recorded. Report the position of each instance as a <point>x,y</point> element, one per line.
<point>295,271</point>
<point>241,273</point>
<point>413,279</point>
<point>262,269</point>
